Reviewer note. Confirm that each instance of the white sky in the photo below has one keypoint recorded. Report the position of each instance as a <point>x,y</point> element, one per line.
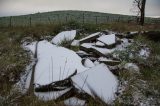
<point>19,7</point>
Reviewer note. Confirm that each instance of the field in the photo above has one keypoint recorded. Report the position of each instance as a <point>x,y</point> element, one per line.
<point>60,17</point>
<point>14,59</point>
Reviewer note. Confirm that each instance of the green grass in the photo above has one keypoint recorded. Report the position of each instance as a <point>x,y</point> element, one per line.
<point>13,59</point>
<point>147,82</point>
<point>59,17</point>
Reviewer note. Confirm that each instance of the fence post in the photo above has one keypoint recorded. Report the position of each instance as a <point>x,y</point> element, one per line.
<point>10,21</point>
<point>30,21</point>
<point>66,18</point>
<point>58,19</point>
<point>83,18</point>
<point>49,20</point>
<point>107,18</point>
<point>118,19</point>
<point>96,19</point>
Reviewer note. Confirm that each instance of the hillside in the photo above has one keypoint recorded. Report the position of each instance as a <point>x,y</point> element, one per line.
<point>66,16</point>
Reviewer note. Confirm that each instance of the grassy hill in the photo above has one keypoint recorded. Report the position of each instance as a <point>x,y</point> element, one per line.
<point>59,17</point>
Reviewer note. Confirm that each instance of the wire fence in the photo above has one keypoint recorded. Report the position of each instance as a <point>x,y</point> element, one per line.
<point>37,19</point>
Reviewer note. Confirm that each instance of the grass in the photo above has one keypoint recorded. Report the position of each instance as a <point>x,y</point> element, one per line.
<point>13,59</point>
<point>143,86</point>
<point>59,17</point>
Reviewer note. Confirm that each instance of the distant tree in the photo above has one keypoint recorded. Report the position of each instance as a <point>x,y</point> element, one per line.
<point>140,5</point>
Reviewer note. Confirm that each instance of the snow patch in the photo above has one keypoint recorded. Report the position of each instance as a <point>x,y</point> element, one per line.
<point>74,102</point>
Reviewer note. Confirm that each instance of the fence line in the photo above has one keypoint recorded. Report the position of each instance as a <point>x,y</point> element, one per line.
<point>59,19</point>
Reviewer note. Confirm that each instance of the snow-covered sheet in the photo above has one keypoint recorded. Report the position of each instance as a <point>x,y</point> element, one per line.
<point>31,47</point>
<point>88,63</point>
<point>55,63</point>
<point>65,35</point>
<point>108,39</point>
<point>101,50</point>
<point>98,43</point>
<point>74,102</point>
<point>97,81</point>
<point>90,36</point>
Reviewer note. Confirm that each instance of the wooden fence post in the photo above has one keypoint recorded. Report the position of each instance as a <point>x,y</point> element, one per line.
<point>107,18</point>
<point>83,18</point>
<point>67,17</point>
<point>49,20</point>
<point>30,21</point>
<point>10,21</point>
<point>58,19</point>
<point>96,20</point>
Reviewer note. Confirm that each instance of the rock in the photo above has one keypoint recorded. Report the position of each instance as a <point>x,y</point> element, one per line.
<point>46,96</point>
<point>83,54</point>
<point>108,40</point>
<point>120,35</point>
<point>90,38</point>
<point>131,67</point>
<point>108,61</point>
<point>89,47</point>
<point>130,35</point>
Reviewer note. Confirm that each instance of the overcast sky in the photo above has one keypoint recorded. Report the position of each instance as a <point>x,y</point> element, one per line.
<point>19,7</point>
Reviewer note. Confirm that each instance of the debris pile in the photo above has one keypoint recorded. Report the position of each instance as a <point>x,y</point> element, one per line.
<point>77,77</point>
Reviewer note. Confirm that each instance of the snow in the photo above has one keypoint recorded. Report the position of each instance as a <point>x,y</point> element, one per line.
<point>55,63</point>
<point>46,96</point>
<point>98,43</point>
<point>134,32</point>
<point>88,45</point>
<point>82,52</point>
<point>96,63</point>
<point>101,50</point>
<point>64,35</point>
<point>103,59</point>
<point>23,84</point>
<point>145,52</point>
<point>108,39</point>
<point>31,47</point>
<point>90,36</point>
<point>125,43</point>
<point>132,67</point>
<point>104,51</point>
<point>88,63</point>
<point>74,102</point>
<point>97,81</point>
<point>75,43</point>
